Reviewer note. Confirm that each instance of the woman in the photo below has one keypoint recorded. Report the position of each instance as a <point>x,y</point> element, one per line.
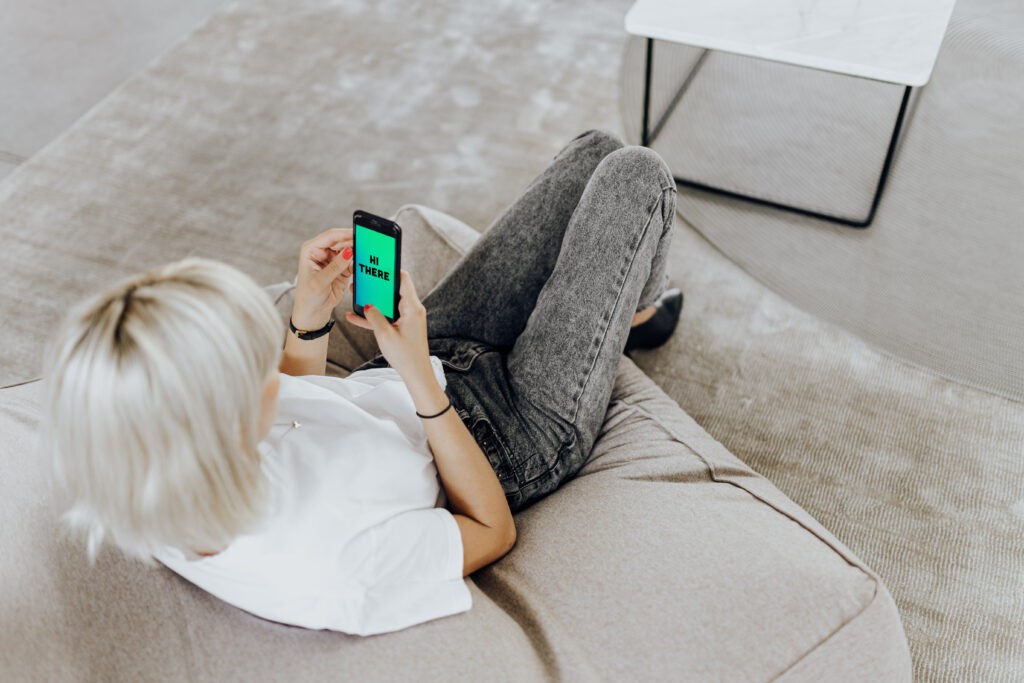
<point>182,431</point>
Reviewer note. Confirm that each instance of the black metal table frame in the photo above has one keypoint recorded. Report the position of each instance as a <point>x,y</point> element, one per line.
<point>647,137</point>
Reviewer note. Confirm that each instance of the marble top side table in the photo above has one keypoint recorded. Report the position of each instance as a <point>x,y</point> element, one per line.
<point>896,41</point>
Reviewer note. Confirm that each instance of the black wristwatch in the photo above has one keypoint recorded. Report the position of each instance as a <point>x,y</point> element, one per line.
<point>307,335</point>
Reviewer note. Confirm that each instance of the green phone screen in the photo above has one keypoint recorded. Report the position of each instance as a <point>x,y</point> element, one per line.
<point>375,270</point>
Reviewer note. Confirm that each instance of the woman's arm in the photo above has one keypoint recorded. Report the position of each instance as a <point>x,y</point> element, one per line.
<point>325,267</point>
<point>474,493</point>
<point>304,356</point>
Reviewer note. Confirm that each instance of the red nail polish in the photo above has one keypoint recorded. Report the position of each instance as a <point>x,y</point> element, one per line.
<point>346,253</point>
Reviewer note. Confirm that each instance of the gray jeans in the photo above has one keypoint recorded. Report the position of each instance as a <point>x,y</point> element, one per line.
<point>531,323</point>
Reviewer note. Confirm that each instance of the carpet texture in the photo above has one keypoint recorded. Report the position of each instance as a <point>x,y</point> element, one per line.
<point>277,119</point>
<point>936,279</point>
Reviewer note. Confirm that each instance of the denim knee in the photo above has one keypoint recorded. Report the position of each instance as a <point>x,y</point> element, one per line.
<point>601,141</point>
<point>639,166</point>
<point>596,136</point>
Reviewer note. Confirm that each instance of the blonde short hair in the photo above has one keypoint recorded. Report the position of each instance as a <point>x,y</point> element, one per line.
<point>153,408</point>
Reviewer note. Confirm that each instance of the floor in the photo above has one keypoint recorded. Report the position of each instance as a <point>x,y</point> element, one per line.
<point>919,476</point>
<point>60,57</point>
<point>935,279</point>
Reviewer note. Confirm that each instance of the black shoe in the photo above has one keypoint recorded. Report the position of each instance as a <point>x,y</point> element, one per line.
<point>656,331</point>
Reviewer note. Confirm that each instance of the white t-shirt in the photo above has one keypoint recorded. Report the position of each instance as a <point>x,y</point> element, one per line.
<point>355,541</point>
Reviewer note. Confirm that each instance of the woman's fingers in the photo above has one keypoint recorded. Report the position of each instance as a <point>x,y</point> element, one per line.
<point>403,343</point>
<point>321,258</point>
<point>331,238</point>
<point>409,302</point>
<point>325,247</point>
<point>357,320</point>
<point>377,320</point>
<point>336,266</point>
<point>374,320</point>
<point>406,288</point>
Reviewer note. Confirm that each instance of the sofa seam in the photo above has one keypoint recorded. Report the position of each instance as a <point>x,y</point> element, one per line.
<point>716,478</point>
<point>190,659</point>
<point>284,292</point>
<point>418,208</point>
<point>526,621</point>
<point>725,480</point>
<point>814,648</point>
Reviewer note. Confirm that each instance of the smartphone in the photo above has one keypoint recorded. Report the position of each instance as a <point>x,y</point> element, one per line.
<point>377,261</point>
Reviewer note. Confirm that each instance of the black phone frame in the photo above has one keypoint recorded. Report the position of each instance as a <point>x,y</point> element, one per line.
<point>385,227</point>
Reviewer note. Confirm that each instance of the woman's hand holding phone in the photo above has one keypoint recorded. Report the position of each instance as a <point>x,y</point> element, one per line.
<point>404,343</point>
<point>475,496</point>
<point>325,268</point>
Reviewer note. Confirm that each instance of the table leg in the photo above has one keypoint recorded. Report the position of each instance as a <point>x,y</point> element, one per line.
<point>648,65</point>
<point>647,138</point>
<point>890,153</point>
<point>653,135</point>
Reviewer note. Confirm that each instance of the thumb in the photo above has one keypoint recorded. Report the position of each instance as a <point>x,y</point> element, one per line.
<point>333,269</point>
<point>376,319</point>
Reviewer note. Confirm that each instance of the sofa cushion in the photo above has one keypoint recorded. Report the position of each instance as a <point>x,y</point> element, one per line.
<point>664,558</point>
<point>667,555</point>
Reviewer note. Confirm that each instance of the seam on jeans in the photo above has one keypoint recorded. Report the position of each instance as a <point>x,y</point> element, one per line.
<point>668,223</point>
<point>498,447</point>
<point>552,469</point>
<point>604,333</point>
<point>459,368</point>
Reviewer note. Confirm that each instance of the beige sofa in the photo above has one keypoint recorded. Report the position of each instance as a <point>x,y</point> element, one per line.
<point>666,558</point>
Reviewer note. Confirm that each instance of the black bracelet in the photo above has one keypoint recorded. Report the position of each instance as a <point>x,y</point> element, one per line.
<point>430,417</point>
<point>307,335</point>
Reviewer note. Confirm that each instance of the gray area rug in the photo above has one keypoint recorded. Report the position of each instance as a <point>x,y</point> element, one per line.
<point>938,279</point>
<point>278,118</point>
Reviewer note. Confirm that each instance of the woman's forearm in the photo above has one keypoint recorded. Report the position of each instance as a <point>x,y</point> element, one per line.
<point>475,496</point>
<point>325,268</point>
<point>304,357</point>
<point>469,480</point>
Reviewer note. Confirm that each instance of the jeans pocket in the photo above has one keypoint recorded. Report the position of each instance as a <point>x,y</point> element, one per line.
<point>543,475</point>
<point>494,449</point>
<point>457,354</point>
